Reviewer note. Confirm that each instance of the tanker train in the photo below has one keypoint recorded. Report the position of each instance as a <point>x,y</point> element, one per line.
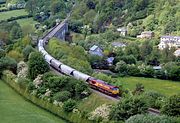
<point>59,66</point>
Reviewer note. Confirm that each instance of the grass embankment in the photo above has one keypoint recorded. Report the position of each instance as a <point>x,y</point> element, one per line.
<point>165,87</point>
<point>14,109</point>
<point>92,102</point>
<point>13,13</point>
<point>27,21</point>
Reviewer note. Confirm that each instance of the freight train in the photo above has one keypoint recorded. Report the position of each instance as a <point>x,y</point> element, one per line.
<point>67,70</point>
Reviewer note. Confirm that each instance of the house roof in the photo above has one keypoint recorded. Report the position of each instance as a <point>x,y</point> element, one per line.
<point>118,44</point>
<point>168,36</point>
<point>110,59</point>
<point>94,47</point>
<point>157,67</point>
<point>122,29</point>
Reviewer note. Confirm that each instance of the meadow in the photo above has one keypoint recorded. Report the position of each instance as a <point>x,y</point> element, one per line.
<point>14,13</point>
<point>165,87</point>
<point>27,22</point>
<point>15,109</point>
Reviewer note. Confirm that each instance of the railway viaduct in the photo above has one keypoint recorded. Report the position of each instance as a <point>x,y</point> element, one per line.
<point>59,31</point>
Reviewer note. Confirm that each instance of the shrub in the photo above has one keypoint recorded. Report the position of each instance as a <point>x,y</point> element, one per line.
<point>62,96</point>
<point>26,51</point>
<point>2,53</point>
<point>8,63</point>
<point>81,90</point>
<point>150,119</point>
<point>46,76</point>
<point>23,82</point>
<point>37,65</point>
<point>101,112</point>
<point>16,55</point>
<point>69,105</point>
<point>139,89</point>
<point>154,99</point>
<point>128,107</point>
<point>172,106</point>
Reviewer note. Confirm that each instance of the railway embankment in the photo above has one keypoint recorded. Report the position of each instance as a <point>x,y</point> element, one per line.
<point>74,117</point>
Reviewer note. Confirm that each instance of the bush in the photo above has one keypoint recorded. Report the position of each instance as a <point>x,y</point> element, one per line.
<point>8,63</point>
<point>47,75</point>
<point>154,99</point>
<point>37,65</point>
<point>128,107</point>
<point>172,106</point>
<point>62,96</point>
<point>150,119</point>
<point>2,53</point>
<point>16,55</point>
<point>23,82</point>
<point>26,51</point>
<point>69,105</point>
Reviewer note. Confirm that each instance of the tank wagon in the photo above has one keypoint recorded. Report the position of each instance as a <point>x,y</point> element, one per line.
<point>67,70</point>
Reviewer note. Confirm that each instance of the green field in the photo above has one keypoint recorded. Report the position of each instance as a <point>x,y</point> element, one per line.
<point>14,13</point>
<point>27,21</point>
<point>14,109</point>
<point>165,87</point>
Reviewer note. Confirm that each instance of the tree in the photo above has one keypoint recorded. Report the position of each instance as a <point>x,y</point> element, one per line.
<point>37,65</point>
<point>57,6</point>
<point>154,99</point>
<point>121,67</point>
<point>90,4</point>
<point>128,107</point>
<point>62,96</point>
<point>2,53</point>
<point>139,89</point>
<point>26,51</point>
<point>15,32</point>
<point>16,55</point>
<point>8,63</point>
<point>129,59</point>
<point>69,105</point>
<point>172,106</point>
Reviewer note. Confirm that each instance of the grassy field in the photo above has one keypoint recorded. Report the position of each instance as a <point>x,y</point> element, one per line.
<point>14,109</point>
<point>93,101</point>
<point>27,21</point>
<point>165,87</point>
<point>14,13</point>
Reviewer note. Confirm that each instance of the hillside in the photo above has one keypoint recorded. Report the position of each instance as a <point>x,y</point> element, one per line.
<point>162,16</point>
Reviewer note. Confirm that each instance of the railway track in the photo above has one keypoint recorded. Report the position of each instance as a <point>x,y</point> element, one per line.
<point>51,33</point>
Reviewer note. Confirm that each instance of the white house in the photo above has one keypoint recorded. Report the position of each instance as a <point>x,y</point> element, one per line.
<point>146,34</point>
<point>122,30</point>
<point>170,41</point>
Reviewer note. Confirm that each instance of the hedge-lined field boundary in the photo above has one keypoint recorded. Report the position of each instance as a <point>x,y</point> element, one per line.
<point>16,18</point>
<point>9,78</point>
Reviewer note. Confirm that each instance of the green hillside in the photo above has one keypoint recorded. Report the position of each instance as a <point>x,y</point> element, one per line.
<point>14,109</point>
<point>162,16</point>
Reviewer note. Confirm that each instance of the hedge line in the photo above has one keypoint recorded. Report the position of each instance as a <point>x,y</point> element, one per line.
<point>5,10</point>
<point>16,18</point>
<point>70,117</point>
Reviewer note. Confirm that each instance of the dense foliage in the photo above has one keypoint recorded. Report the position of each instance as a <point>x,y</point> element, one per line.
<point>172,106</point>
<point>162,15</point>
<point>150,119</point>
<point>37,65</point>
<point>74,56</point>
<point>128,107</point>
